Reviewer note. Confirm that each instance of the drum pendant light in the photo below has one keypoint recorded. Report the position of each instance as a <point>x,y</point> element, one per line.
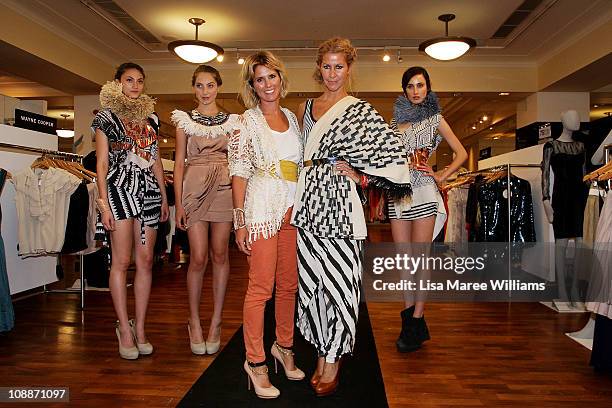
<point>447,48</point>
<point>65,132</point>
<point>195,51</point>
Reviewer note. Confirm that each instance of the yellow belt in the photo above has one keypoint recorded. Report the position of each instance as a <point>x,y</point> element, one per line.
<point>288,171</point>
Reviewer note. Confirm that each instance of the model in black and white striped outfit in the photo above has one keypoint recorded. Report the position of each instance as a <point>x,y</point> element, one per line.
<point>342,134</point>
<point>132,199</point>
<point>417,119</point>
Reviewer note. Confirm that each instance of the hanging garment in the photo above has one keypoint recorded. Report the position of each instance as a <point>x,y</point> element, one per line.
<point>472,210</point>
<point>591,218</point>
<point>42,199</point>
<point>600,284</point>
<point>76,225</point>
<point>457,204</point>
<point>493,204</point>
<point>601,356</point>
<point>7,315</point>
<point>92,218</point>
<point>569,193</point>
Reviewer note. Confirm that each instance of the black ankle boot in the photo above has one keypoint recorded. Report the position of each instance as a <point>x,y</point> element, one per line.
<point>409,339</point>
<point>421,328</point>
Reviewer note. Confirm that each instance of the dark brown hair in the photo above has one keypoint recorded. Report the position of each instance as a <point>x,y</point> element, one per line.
<point>412,71</point>
<point>208,69</point>
<point>125,66</point>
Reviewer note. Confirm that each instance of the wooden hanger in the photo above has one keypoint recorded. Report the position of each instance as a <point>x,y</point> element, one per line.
<point>594,175</point>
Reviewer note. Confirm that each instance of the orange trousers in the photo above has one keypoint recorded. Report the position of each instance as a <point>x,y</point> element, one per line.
<point>272,260</point>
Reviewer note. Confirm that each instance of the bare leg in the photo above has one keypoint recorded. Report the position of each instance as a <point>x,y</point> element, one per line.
<point>121,248</point>
<point>198,258</point>
<point>320,365</point>
<point>422,232</point>
<point>219,239</point>
<point>143,278</point>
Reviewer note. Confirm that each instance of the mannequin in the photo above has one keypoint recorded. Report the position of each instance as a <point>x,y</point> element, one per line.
<point>571,123</point>
<point>598,156</point>
<point>567,160</point>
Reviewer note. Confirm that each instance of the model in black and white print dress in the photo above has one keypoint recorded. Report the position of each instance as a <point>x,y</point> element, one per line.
<point>132,197</point>
<point>419,220</point>
<point>133,191</point>
<point>421,135</point>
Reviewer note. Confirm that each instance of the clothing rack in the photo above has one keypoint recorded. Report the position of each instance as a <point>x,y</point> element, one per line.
<point>72,157</point>
<point>506,167</point>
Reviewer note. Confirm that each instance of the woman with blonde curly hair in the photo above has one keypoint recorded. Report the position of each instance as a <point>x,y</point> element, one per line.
<point>264,163</point>
<point>347,145</point>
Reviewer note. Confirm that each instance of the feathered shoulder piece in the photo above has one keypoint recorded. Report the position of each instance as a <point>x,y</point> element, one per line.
<point>113,98</point>
<point>405,111</point>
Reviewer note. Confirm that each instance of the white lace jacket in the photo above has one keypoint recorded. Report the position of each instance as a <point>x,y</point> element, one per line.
<point>252,155</point>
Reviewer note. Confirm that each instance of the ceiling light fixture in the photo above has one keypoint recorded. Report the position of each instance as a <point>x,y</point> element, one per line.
<point>596,106</point>
<point>485,117</point>
<point>386,57</point>
<point>220,58</point>
<point>447,48</point>
<point>66,133</point>
<point>239,58</point>
<point>195,51</point>
<point>504,93</point>
<point>496,138</point>
<point>474,127</point>
<point>165,140</point>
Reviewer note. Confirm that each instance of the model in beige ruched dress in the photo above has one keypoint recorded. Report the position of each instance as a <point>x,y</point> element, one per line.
<point>207,194</point>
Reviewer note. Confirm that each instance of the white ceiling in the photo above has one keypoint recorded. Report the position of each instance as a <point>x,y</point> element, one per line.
<point>248,24</point>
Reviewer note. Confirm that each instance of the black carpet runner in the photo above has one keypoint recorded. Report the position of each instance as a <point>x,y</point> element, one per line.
<point>224,383</point>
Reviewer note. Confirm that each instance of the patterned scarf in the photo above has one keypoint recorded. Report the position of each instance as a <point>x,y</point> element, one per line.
<point>327,204</point>
<point>405,111</point>
<point>113,98</point>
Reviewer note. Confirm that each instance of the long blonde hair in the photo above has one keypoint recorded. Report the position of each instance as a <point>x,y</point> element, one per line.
<point>247,74</point>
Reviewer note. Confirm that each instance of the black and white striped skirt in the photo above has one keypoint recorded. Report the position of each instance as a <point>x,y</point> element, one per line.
<point>133,192</point>
<point>329,292</point>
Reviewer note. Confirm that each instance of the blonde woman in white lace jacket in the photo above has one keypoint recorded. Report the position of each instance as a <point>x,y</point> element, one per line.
<point>264,163</point>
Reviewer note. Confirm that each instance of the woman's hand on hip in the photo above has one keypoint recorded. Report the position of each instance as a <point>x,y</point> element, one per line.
<point>345,169</point>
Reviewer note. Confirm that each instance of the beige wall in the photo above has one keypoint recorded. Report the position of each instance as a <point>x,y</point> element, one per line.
<point>582,52</point>
<point>547,107</point>
<point>367,78</point>
<point>37,40</point>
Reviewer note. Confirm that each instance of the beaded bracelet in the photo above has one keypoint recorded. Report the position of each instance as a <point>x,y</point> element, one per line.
<point>238,217</point>
<point>102,205</point>
<point>364,181</point>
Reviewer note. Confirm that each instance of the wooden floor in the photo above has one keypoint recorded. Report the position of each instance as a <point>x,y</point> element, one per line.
<point>483,355</point>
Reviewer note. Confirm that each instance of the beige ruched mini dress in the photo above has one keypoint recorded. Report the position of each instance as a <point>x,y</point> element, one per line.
<point>207,193</point>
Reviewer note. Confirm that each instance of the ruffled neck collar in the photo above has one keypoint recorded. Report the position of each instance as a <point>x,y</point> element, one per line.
<point>112,97</point>
<point>405,111</point>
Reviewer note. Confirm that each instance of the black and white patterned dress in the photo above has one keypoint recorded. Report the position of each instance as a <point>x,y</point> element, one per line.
<point>330,220</point>
<point>133,191</point>
<point>426,200</point>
